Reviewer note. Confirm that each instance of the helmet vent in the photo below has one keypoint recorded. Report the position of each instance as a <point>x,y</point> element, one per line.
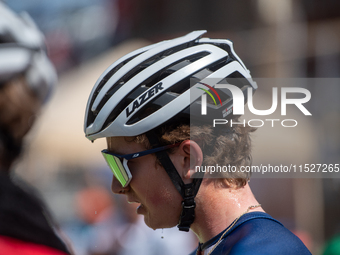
<point>144,85</point>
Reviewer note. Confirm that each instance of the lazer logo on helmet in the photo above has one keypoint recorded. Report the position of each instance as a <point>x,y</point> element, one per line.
<point>144,98</point>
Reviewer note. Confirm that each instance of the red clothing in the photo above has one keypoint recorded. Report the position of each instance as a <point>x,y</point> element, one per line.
<point>26,227</point>
<point>12,246</point>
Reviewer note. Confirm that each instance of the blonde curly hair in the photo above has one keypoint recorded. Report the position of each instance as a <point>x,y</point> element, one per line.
<point>230,146</point>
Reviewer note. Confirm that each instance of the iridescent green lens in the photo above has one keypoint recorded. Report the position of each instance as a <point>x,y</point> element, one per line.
<point>117,168</point>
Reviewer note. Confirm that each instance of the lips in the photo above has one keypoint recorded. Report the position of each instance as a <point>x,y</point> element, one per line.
<point>140,209</point>
<point>132,200</point>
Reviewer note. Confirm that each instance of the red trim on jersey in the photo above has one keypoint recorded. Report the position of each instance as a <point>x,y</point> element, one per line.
<point>14,246</point>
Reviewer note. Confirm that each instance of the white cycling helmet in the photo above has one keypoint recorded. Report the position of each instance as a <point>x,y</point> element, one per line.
<point>158,77</point>
<point>22,52</point>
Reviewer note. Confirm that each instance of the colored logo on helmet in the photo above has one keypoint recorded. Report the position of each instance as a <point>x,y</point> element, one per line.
<point>144,98</point>
<point>204,97</point>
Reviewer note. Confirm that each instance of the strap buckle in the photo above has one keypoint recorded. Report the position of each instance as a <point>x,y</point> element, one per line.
<point>187,215</point>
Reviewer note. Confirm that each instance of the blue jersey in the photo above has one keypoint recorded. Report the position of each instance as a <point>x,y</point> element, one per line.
<point>256,233</point>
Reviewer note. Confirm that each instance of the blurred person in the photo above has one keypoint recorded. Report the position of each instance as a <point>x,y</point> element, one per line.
<point>26,80</point>
<point>147,105</point>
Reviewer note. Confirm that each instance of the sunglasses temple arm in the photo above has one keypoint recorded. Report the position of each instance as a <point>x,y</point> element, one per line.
<point>143,153</point>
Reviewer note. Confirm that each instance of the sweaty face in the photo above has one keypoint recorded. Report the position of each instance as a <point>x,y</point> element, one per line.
<point>151,187</point>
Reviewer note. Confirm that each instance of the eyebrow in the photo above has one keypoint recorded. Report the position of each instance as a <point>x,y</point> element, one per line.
<point>116,152</point>
<point>112,150</point>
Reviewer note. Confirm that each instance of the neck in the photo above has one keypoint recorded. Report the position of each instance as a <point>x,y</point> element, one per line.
<point>218,206</point>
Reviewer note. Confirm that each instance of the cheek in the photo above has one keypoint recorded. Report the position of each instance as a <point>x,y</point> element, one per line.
<point>160,197</point>
<point>160,189</point>
<point>153,186</point>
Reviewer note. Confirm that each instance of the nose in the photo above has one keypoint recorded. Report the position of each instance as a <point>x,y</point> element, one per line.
<point>117,188</point>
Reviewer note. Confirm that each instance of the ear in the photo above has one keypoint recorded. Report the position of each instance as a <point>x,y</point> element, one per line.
<point>188,156</point>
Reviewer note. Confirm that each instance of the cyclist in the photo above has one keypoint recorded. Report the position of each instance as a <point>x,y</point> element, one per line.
<point>26,81</point>
<point>151,108</point>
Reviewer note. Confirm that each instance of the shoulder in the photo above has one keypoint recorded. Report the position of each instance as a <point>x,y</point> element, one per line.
<point>259,233</point>
<point>10,245</point>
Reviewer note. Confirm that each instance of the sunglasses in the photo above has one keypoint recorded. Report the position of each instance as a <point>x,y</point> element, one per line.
<point>118,163</point>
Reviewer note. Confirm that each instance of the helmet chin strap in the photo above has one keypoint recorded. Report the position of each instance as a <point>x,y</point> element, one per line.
<point>187,191</point>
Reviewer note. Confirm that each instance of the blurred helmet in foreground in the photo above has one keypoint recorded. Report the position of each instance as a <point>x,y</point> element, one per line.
<point>23,53</point>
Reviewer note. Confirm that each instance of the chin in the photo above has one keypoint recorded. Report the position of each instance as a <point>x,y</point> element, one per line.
<point>158,224</point>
